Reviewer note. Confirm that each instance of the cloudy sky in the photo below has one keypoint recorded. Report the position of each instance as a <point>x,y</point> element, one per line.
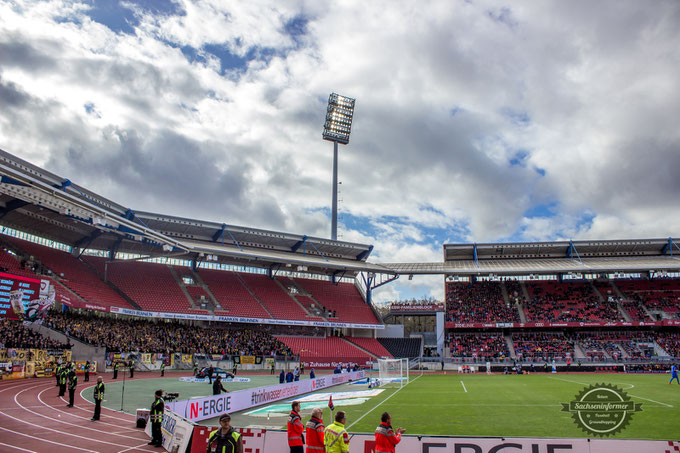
<point>475,120</point>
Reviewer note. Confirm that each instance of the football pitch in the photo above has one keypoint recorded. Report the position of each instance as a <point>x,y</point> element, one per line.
<point>457,404</point>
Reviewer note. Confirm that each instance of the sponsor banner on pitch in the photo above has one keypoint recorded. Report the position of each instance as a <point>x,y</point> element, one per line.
<point>332,362</point>
<point>213,406</point>
<point>276,442</point>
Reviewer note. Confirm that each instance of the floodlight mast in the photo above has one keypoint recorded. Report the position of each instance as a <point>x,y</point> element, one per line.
<point>336,129</point>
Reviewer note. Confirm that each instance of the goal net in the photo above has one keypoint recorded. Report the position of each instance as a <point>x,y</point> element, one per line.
<point>393,372</point>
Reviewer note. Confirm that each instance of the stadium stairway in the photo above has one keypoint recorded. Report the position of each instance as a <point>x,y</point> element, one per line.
<point>578,351</point>
<point>252,293</point>
<point>110,284</point>
<point>199,282</point>
<point>373,356</point>
<point>292,296</point>
<point>511,347</point>
<point>623,312</point>
<point>183,287</point>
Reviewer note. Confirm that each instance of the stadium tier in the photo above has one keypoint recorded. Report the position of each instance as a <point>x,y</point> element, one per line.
<point>342,299</point>
<point>479,303</point>
<point>542,346</point>
<point>274,297</point>
<point>402,347</point>
<point>659,295</point>
<point>71,272</point>
<point>325,349</point>
<point>232,295</point>
<point>564,302</point>
<point>479,345</point>
<point>371,345</point>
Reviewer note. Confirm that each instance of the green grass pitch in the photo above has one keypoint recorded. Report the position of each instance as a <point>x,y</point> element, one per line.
<point>497,405</point>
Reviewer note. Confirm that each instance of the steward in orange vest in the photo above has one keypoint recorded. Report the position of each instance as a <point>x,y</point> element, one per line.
<point>315,432</point>
<point>385,438</point>
<point>295,428</point>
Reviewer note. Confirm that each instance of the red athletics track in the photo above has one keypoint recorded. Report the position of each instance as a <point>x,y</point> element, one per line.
<point>34,419</point>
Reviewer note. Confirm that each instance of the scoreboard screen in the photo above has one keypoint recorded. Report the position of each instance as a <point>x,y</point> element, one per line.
<point>9,283</point>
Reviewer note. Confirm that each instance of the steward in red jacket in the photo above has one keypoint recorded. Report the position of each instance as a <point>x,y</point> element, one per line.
<point>386,439</point>
<point>315,432</point>
<point>295,428</point>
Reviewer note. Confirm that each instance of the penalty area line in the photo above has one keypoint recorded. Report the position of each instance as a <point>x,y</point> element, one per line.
<point>381,403</point>
<point>463,384</point>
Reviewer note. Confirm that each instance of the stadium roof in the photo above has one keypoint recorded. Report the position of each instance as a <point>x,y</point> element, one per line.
<point>636,255</point>
<point>38,202</point>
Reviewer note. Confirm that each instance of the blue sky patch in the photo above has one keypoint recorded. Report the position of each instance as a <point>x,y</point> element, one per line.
<point>120,18</point>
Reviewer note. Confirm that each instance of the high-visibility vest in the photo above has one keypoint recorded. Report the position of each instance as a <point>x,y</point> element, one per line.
<point>386,439</point>
<point>226,443</point>
<point>294,429</point>
<point>157,408</point>
<point>73,382</point>
<point>336,438</point>
<point>99,391</point>
<point>315,433</point>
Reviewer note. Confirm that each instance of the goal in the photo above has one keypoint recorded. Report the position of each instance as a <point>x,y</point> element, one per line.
<point>393,372</point>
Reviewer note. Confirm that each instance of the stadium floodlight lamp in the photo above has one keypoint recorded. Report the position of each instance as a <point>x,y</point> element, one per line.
<point>336,129</point>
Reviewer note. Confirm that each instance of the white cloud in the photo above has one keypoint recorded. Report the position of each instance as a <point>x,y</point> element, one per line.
<point>446,95</point>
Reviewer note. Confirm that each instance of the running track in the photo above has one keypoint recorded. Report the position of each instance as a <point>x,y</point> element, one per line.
<point>34,419</point>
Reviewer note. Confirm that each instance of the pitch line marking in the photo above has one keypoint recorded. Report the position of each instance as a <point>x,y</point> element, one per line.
<point>14,447</point>
<point>632,386</point>
<point>138,447</point>
<point>381,403</point>
<point>44,440</point>
<point>463,384</point>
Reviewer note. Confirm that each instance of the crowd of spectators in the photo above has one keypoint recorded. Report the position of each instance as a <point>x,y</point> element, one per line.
<point>658,294</point>
<point>608,345</point>
<point>542,346</point>
<point>120,335</point>
<point>478,302</point>
<point>14,335</point>
<point>481,345</point>
<point>568,302</point>
<point>670,342</point>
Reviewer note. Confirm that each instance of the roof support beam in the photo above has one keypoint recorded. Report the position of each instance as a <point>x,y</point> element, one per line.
<point>273,269</point>
<point>334,277</point>
<point>11,206</point>
<point>8,180</point>
<point>234,239</point>
<point>318,251</point>
<point>571,251</point>
<point>219,233</point>
<point>668,248</point>
<point>84,242</point>
<point>363,255</point>
<point>114,249</point>
<point>299,244</point>
<point>474,254</point>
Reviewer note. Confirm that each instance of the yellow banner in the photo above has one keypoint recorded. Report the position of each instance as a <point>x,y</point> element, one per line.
<point>186,358</point>
<point>247,360</point>
<point>269,361</point>
<point>146,358</point>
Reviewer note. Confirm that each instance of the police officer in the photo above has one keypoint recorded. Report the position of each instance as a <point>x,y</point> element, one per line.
<point>132,368</point>
<point>163,368</point>
<point>218,387</point>
<point>72,384</point>
<point>62,380</point>
<point>315,432</point>
<point>57,372</point>
<point>98,397</point>
<point>312,375</point>
<point>294,428</point>
<point>195,368</point>
<point>386,439</point>
<point>87,371</point>
<point>156,418</point>
<point>226,439</point>
<point>336,438</point>
<point>115,370</point>
<point>282,377</point>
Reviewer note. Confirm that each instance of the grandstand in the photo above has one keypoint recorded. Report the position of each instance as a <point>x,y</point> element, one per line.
<point>591,301</point>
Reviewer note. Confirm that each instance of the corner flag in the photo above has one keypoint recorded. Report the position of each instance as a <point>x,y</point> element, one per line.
<point>330,402</point>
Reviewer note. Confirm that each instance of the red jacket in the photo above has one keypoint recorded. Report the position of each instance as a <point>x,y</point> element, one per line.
<point>315,436</point>
<point>386,439</point>
<point>295,429</point>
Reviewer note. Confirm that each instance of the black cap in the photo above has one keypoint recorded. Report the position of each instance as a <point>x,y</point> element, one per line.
<point>159,393</point>
<point>225,417</point>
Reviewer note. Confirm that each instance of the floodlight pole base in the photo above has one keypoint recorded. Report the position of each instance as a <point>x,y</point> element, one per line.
<point>334,209</point>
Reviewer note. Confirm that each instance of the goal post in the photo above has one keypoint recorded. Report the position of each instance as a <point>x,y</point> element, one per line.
<point>393,372</point>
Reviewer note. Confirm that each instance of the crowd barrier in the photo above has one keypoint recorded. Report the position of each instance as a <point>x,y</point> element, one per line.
<point>275,441</point>
<point>212,406</point>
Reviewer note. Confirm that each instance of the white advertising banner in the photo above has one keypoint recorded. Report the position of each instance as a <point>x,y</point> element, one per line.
<point>284,322</point>
<point>213,406</point>
<point>176,432</point>
<point>275,442</point>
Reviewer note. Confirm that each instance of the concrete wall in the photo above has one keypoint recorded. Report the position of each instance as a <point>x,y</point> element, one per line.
<point>391,331</point>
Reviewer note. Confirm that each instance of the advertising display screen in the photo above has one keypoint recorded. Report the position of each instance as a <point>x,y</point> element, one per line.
<point>9,283</point>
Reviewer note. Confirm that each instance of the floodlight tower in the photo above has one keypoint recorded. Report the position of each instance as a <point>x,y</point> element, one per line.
<point>336,129</point>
